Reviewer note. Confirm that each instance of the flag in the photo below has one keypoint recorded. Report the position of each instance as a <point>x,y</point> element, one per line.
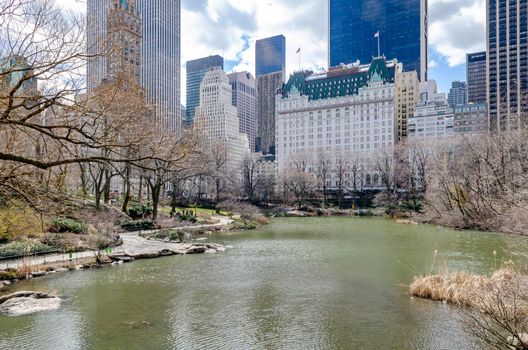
<point>298,50</point>
<point>376,35</point>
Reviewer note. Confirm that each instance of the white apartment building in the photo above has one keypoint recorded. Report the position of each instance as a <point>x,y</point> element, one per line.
<point>433,118</point>
<point>347,111</point>
<point>217,118</point>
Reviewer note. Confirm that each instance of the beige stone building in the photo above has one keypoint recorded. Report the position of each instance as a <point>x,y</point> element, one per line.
<point>407,95</point>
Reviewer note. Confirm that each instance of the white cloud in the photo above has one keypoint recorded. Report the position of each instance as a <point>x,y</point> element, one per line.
<point>457,27</point>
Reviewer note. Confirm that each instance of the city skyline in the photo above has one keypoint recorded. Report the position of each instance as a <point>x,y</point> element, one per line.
<point>455,29</point>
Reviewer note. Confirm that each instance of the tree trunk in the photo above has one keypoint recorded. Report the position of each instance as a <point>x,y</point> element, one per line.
<point>126,200</point>
<point>140,194</point>
<point>156,189</point>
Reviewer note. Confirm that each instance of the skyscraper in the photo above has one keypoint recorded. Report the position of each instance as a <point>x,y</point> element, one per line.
<point>124,40</point>
<point>400,24</point>
<point>196,70</point>
<point>96,34</point>
<point>244,99</point>
<point>161,52</point>
<point>476,77</point>
<point>159,47</point>
<point>458,94</point>
<point>508,61</point>
<point>217,118</point>
<point>270,54</point>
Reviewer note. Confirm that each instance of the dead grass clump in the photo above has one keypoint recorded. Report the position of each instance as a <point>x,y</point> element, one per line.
<point>262,220</point>
<point>457,288</point>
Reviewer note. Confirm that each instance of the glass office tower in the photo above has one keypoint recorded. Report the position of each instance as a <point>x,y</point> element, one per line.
<point>402,26</point>
<point>508,62</point>
<point>476,77</point>
<point>271,55</point>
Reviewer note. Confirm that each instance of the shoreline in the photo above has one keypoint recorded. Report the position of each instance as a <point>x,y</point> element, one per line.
<point>134,247</point>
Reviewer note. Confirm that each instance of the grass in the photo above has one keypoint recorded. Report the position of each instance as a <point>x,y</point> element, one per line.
<point>464,289</point>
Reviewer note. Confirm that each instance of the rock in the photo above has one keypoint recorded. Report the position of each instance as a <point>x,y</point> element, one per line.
<point>196,250</point>
<point>210,251</point>
<point>406,222</point>
<point>166,240</point>
<point>28,305</point>
<point>38,274</point>
<point>61,269</point>
<point>201,239</point>
<point>104,259</point>
<point>121,258</point>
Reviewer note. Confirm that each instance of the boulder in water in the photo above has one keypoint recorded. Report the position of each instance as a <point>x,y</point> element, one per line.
<point>27,303</point>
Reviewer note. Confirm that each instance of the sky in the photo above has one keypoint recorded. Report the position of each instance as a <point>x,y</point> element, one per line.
<point>231,27</point>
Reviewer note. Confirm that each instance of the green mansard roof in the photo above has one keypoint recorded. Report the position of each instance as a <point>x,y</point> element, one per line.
<point>340,81</point>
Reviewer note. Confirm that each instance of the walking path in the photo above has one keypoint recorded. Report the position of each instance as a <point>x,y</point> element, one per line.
<point>133,245</point>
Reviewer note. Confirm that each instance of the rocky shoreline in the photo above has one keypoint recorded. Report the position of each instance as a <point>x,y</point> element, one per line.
<point>134,246</point>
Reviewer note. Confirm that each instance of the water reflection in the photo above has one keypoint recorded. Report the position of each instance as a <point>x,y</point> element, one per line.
<point>331,283</point>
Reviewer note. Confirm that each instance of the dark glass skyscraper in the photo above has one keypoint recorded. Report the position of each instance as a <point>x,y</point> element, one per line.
<point>196,70</point>
<point>476,77</point>
<point>508,62</point>
<point>402,26</point>
<point>270,55</point>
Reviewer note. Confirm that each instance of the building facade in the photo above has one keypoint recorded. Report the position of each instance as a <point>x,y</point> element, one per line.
<point>245,100</point>
<point>457,94</point>
<point>196,70</point>
<point>13,70</point>
<point>96,34</point>
<point>124,41</point>
<point>507,45</point>
<point>476,77</point>
<point>401,24</point>
<point>407,96</point>
<point>158,52</point>
<point>471,119</point>
<point>270,55</point>
<point>347,111</point>
<point>217,118</point>
<point>161,54</point>
<point>433,118</point>
<point>268,86</point>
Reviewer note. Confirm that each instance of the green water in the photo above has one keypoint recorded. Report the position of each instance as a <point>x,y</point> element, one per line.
<point>333,283</point>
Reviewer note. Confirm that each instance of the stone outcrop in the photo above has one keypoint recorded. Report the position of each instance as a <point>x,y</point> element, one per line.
<point>27,303</point>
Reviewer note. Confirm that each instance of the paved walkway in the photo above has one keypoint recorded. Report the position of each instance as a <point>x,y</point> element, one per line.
<point>133,245</point>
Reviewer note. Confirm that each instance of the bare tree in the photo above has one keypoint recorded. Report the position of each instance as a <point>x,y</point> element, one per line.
<point>219,168</point>
<point>55,124</point>
<point>342,166</point>
<point>299,184</point>
<point>323,167</point>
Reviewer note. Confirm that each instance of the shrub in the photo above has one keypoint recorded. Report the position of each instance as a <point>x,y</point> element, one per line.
<point>18,220</point>
<point>64,225</point>
<point>173,235</point>
<point>139,210</point>
<point>7,276</point>
<point>21,248</point>
<point>137,225</point>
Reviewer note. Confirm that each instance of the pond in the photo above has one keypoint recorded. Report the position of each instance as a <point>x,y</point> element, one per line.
<point>306,283</point>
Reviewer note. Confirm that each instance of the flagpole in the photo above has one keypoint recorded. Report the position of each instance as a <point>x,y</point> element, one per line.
<point>379,47</point>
